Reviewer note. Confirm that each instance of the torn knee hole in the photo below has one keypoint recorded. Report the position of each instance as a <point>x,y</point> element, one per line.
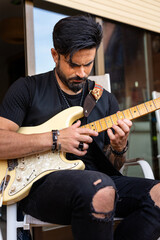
<point>155,194</point>
<point>97,182</point>
<point>103,202</point>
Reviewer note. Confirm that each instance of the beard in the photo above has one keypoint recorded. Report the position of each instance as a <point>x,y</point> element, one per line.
<point>73,86</point>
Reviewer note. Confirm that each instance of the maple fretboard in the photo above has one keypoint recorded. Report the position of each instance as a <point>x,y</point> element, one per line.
<point>130,113</point>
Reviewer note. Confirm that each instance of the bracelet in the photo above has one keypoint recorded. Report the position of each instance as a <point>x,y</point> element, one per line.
<point>119,153</point>
<point>55,134</point>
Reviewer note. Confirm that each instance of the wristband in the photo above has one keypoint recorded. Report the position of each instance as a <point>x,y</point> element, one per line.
<point>55,134</point>
<point>119,153</point>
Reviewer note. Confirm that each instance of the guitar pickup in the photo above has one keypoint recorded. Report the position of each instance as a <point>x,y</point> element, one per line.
<point>12,163</point>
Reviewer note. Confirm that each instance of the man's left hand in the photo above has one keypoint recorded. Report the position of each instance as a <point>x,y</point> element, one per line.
<point>118,139</point>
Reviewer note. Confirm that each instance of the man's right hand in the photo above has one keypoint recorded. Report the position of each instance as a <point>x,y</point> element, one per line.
<point>71,137</point>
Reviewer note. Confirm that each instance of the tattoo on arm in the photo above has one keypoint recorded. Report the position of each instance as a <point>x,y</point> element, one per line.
<point>116,160</point>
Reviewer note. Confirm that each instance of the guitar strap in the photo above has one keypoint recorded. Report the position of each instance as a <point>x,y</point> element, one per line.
<point>92,98</point>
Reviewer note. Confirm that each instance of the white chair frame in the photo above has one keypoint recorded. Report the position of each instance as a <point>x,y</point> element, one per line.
<point>156,94</point>
<point>29,221</point>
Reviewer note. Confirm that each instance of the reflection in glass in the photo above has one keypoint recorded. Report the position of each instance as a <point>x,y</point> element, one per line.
<point>155,43</point>
<point>124,60</point>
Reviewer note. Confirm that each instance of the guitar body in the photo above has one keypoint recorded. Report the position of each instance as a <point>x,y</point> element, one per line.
<point>29,169</point>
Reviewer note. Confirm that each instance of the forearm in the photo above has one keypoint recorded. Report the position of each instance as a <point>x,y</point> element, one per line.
<point>116,160</point>
<point>15,145</point>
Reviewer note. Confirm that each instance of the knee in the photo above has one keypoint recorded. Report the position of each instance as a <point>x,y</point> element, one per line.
<point>103,202</point>
<point>155,194</point>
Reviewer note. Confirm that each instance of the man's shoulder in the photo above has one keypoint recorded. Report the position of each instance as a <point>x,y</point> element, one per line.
<point>41,79</point>
<point>39,76</point>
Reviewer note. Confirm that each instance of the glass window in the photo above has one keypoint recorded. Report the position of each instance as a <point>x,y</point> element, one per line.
<point>155,41</point>
<point>124,60</point>
<point>155,49</point>
<point>124,53</point>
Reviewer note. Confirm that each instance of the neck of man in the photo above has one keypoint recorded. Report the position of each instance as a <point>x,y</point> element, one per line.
<point>64,87</point>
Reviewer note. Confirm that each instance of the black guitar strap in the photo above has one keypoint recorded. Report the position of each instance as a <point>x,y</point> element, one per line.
<point>92,98</point>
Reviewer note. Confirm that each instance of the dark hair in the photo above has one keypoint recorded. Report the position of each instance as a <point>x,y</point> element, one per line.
<point>74,33</point>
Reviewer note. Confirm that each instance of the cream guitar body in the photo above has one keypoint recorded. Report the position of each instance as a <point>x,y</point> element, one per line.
<point>25,171</point>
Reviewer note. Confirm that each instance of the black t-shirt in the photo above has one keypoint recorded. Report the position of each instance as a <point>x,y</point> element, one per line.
<point>31,101</point>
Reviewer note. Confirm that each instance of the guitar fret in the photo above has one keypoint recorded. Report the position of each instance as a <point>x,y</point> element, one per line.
<point>138,110</point>
<point>146,106</point>
<point>109,122</point>
<point>106,122</point>
<point>134,112</point>
<point>98,126</point>
<point>123,114</point>
<point>114,119</point>
<point>127,114</point>
<point>102,124</point>
<point>95,126</point>
<point>150,106</point>
<point>130,112</point>
<point>142,109</point>
<point>87,126</point>
<point>154,104</point>
<point>157,102</point>
<point>120,115</point>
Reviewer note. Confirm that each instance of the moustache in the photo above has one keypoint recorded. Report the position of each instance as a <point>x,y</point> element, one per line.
<point>78,78</point>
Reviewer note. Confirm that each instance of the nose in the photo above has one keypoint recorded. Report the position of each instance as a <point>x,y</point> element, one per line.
<point>80,72</point>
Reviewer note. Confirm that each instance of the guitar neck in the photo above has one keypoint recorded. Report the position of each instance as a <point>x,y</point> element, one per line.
<point>130,113</point>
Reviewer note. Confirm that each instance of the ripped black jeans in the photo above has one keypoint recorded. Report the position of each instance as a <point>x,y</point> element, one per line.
<point>65,197</point>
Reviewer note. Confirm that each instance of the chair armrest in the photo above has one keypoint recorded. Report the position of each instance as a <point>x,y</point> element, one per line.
<point>146,169</point>
<point>1,235</point>
<point>30,222</point>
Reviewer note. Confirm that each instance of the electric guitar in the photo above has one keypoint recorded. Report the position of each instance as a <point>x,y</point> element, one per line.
<point>18,175</point>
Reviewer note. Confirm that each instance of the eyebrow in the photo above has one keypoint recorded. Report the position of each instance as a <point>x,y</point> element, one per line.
<point>77,65</point>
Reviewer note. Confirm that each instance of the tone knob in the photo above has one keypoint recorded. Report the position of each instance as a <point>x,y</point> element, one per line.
<point>13,188</point>
<point>18,178</point>
<point>22,167</point>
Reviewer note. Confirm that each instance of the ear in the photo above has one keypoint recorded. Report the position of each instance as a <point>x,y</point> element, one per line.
<point>54,55</point>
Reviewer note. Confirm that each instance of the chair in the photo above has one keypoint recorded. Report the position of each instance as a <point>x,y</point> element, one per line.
<point>29,221</point>
<point>157,95</point>
<point>1,235</point>
<point>103,80</point>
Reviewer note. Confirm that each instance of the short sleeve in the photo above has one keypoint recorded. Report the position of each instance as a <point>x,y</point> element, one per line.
<point>17,100</point>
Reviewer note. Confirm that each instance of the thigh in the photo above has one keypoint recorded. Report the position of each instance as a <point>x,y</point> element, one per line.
<point>131,191</point>
<point>53,197</point>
